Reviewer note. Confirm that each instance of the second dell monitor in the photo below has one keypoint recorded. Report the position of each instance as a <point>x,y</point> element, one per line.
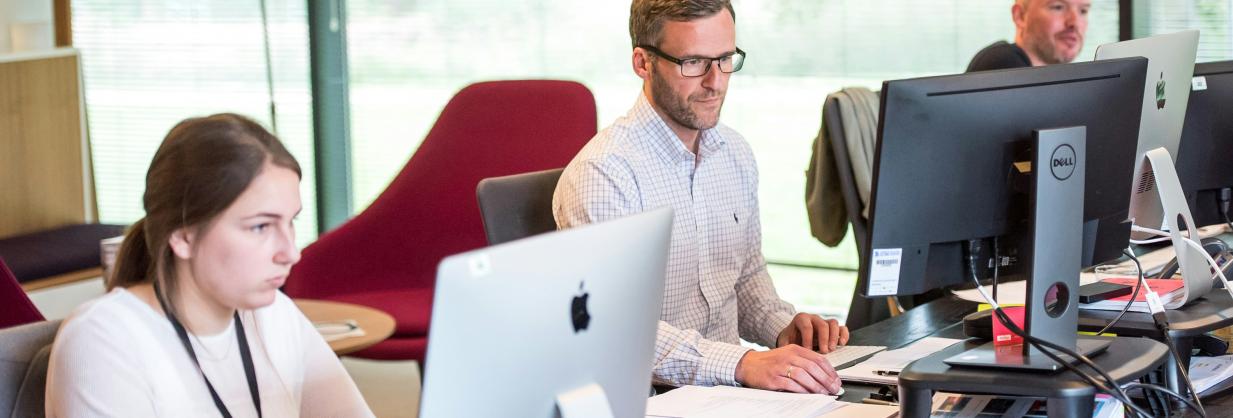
<point>950,166</point>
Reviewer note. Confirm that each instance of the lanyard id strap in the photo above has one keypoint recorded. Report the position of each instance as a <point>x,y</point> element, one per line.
<point>245,356</point>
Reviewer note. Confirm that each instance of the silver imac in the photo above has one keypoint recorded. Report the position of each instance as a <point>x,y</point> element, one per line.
<point>1156,199</point>
<point>560,324</point>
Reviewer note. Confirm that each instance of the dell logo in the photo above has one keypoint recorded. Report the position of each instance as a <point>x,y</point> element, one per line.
<point>1063,162</point>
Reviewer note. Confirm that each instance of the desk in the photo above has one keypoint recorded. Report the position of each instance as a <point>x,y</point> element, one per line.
<point>940,317</point>
<point>937,318</point>
<point>377,325</point>
<point>1209,313</point>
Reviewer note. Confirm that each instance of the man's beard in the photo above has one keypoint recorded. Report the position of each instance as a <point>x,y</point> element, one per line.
<point>678,109</point>
<point>1048,51</point>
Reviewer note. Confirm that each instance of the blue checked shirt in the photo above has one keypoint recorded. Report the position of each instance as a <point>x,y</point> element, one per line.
<point>717,290</point>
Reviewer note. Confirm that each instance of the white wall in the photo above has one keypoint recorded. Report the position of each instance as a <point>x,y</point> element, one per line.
<point>26,25</point>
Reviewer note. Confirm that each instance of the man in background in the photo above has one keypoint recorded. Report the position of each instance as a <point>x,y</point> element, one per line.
<point>1046,32</point>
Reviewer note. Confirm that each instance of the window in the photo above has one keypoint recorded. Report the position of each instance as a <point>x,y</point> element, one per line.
<point>1211,17</point>
<point>147,65</point>
<point>408,59</point>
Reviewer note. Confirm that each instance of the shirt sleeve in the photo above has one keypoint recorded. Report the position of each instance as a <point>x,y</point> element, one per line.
<point>328,390</point>
<point>684,357</point>
<point>600,190</point>
<point>92,373</point>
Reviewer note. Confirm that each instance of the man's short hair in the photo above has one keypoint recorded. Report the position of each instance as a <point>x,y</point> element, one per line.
<point>646,17</point>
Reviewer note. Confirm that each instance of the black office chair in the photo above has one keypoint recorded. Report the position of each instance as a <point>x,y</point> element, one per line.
<point>25,352</point>
<point>517,206</point>
<point>861,310</point>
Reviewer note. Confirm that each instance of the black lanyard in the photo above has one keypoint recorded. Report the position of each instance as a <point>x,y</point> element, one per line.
<point>245,356</point>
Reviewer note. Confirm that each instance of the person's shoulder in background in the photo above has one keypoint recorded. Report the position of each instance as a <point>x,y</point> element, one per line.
<point>1000,55</point>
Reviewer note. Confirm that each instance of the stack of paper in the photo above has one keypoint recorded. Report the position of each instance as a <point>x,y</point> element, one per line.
<point>1011,293</point>
<point>727,401</point>
<point>1155,261</point>
<point>883,368</point>
<point>1170,292</point>
<point>1206,372</point>
<point>336,330</point>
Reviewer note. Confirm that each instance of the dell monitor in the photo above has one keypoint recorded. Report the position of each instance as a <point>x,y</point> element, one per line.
<point>945,169</point>
<point>1034,163</point>
<point>1205,155</point>
<point>561,323</point>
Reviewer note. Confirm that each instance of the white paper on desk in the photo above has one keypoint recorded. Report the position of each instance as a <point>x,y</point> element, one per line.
<point>728,401</point>
<point>861,410</point>
<point>896,360</point>
<point>1206,372</point>
<point>1014,293</point>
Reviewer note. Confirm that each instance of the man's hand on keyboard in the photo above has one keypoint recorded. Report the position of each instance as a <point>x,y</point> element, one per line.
<point>791,368</point>
<point>811,331</point>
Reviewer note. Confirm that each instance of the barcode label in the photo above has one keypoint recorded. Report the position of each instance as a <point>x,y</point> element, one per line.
<point>1198,83</point>
<point>884,273</point>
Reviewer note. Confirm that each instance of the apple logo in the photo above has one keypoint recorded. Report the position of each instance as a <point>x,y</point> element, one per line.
<point>578,310</point>
<point>1160,92</point>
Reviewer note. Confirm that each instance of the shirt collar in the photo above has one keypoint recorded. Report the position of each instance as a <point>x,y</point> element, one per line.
<point>664,139</point>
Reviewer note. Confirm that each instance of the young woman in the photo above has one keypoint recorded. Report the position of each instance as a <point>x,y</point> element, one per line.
<point>194,324</point>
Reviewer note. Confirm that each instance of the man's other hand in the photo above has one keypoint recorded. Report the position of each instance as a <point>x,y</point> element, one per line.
<point>790,368</point>
<point>813,332</point>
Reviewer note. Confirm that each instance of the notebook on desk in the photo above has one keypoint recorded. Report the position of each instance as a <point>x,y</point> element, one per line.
<point>1169,290</point>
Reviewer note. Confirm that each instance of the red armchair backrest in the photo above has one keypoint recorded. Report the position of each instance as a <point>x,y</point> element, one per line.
<point>429,210</point>
<point>15,307</point>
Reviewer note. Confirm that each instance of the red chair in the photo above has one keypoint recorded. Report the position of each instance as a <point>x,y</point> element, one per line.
<point>15,307</point>
<point>386,257</point>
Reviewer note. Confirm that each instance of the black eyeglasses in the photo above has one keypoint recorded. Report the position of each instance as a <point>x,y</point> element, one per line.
<point>695,67</point>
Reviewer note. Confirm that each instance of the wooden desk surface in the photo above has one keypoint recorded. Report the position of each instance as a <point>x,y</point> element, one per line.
<point>377,325</point>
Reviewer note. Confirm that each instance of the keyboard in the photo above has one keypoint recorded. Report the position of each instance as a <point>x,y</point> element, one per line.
<point>844,355</point>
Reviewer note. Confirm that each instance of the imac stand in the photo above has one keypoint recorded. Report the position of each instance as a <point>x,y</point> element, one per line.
<point>1167,209</point>
<point>585,401</point>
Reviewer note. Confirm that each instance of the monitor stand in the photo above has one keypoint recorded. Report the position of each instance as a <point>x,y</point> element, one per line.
<point>585,401</point>
<point>1166,208</point>
<point>1052,250</point>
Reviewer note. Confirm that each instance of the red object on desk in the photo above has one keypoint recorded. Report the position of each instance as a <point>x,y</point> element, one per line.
<point>1162,287</point>
<point>1001,334</point>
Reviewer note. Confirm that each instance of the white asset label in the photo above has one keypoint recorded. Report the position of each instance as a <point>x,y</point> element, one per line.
<point>478,265</point>
<point>1198,83</point>
<point>884,273</point>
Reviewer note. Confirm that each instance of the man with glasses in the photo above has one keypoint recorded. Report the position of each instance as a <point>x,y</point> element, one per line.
<point>1046,32</point>
<point>671,150</point>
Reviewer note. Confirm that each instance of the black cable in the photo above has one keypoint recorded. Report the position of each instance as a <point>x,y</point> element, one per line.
<point>1133,296</point>
<point>1162,324</point>
<point>1146,386</point>
<point>1112,388</point>
<point>1226,195</point>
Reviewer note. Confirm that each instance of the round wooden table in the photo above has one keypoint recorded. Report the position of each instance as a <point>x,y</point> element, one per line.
<point>377,325</point>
